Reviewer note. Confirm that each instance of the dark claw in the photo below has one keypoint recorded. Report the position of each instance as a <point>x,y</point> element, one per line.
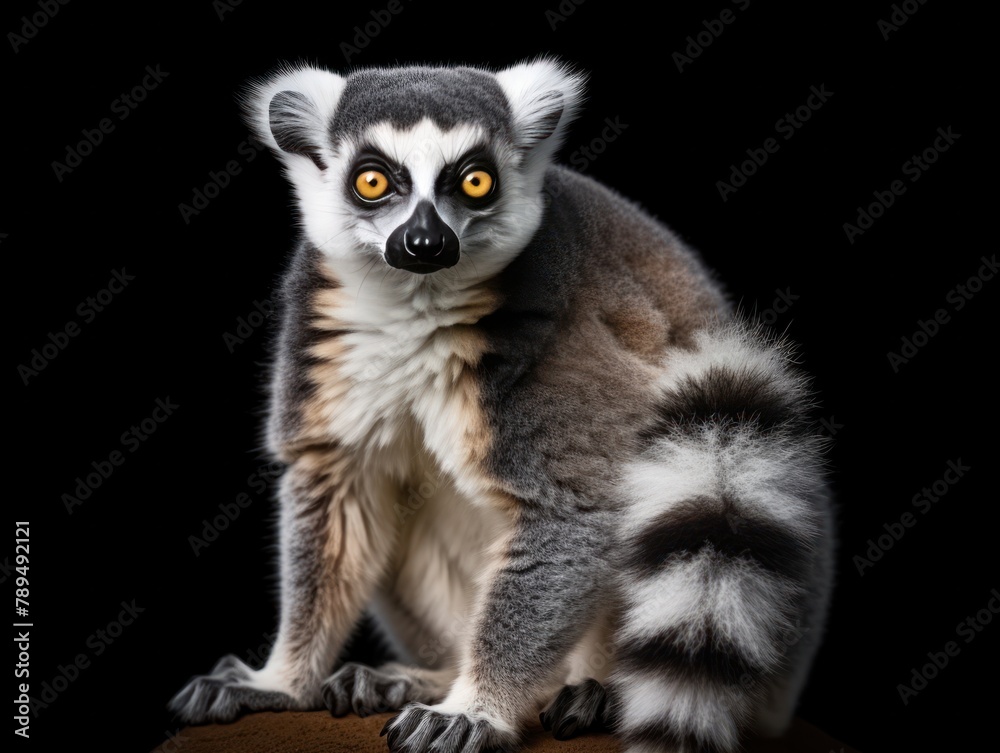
<point>454,737</point>
<point>426,731</point>
<point>403,726</point>
<point>420,729</point>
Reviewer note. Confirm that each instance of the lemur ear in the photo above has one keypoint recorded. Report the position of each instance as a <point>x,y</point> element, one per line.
<point>291,110</point>
<point>544,97</point>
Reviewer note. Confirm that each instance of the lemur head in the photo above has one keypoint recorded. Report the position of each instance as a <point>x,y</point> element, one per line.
<point>434,172</point>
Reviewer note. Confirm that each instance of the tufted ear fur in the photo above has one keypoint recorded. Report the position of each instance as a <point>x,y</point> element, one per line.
<point>290,111</point>
<point>544,97</point>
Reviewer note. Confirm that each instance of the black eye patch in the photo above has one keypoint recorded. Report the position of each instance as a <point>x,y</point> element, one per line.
<point>366,159</point>
<point>450,179</point>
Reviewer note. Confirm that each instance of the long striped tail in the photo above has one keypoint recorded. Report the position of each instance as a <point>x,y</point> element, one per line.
<point>728,552</point>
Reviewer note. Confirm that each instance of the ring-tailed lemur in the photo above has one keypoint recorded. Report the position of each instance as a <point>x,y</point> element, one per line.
<point>523,427</point>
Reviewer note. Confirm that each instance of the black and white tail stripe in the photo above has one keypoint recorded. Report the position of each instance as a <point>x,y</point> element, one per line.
<point>719,547</point>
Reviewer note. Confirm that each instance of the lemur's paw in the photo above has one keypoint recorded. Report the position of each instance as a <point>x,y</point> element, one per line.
<point>226,694</point>
<point>577,709</point>
<point>419,728</point>
<point>364,690</point>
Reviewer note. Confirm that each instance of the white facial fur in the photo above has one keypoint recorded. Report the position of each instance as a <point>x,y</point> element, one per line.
<point>543,97</point>
<point>490,237</point>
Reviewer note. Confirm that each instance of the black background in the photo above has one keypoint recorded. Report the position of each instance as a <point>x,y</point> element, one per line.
<point>163,335</point>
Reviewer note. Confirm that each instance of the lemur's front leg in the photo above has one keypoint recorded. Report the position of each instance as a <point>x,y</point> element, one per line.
<point>538,604</point>
<point>336,535</point>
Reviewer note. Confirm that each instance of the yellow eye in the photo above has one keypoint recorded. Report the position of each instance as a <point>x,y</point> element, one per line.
<point>477,184</point>
<point>371,185</point>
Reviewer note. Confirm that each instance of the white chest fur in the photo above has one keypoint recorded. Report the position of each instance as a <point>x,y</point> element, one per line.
<point>397,375</point>
<point>407,402</point>
<point>393,376</point>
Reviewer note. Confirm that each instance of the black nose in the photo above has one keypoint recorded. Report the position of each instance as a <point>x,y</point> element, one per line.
<point>424,243</point>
